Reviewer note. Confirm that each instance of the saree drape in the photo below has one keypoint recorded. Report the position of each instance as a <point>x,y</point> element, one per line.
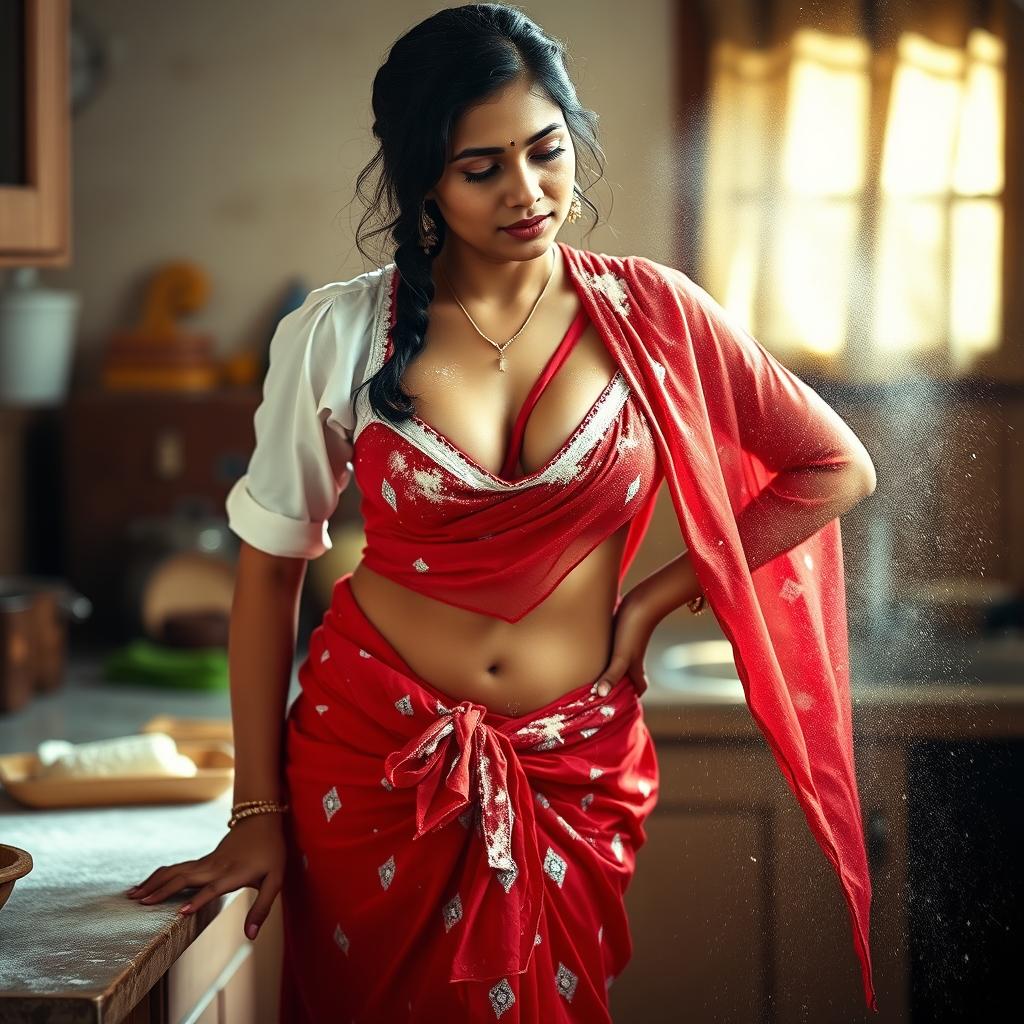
<point>446,862</point>
<point>744,443</point>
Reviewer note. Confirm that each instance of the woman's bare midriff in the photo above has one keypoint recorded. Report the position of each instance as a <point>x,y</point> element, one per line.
<point>564,642</point>
<point>509,667</point>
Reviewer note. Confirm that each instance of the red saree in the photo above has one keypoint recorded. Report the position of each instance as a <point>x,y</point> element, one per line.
<point>745,444</point>
<point>482,857</point>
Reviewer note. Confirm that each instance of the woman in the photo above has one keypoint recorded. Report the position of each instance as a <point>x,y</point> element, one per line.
<point>453,815</point>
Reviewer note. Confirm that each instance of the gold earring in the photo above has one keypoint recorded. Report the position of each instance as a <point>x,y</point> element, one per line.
<point>428,234</point>
<point>575,208</point>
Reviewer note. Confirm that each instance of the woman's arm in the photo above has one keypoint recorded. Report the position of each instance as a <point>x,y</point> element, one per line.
<point>768,526</point>
<point>261,649</point>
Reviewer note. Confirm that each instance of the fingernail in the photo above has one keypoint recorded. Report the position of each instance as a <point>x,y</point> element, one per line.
<point>146,899</point>
<point>251,930</point>
<point>185,909</point>
<point>603,689</point>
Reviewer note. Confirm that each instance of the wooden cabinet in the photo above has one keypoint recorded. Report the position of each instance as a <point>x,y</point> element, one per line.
<point>35,133</point>
<point>136,456</point>
<point>222,977</point>
<point>735,913</point>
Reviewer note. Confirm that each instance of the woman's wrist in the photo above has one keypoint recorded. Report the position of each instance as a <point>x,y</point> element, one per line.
<point>668,588</point>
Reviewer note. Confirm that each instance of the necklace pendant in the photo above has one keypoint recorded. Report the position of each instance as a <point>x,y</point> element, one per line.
<point>501,361</point>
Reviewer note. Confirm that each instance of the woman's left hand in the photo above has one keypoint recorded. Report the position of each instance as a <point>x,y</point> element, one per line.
<point>634,625</point>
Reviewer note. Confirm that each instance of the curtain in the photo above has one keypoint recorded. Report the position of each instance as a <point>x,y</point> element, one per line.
<point>853,205</point>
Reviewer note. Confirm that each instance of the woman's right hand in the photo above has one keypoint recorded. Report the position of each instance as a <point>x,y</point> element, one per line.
<point>251,854</point>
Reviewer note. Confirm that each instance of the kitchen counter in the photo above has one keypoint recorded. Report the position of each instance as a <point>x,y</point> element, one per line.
<point>73,947</point>
<point>973,690</point>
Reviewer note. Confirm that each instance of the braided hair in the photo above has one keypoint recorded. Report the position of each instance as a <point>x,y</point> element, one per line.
<point>451,61</point>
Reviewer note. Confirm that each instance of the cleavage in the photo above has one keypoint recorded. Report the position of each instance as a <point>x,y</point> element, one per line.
<point>562,402</point>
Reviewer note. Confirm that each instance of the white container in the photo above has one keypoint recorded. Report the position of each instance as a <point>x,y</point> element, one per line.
<point>37,333</point>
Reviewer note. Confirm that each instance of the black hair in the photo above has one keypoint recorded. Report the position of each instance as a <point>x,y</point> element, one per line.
<point>453,60</point>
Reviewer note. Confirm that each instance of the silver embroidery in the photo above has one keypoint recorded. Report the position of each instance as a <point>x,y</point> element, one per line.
<point>506,878</point>
<point>324,656</point>
<point>451,912</point>
<point>420,566</point>
<point>543,800</point>
<point>611,285</point>
<point>802,700</point>
<point>442,710</point>
<point>547,731</point>
<point>607,710</point>
<point>501,997</point>
<point>363,654</point>
<point>321,708</point>
<point>554,867</point>
<point>387,785</point>
<point>341,939</point>
<point>587,733</point>
<point>644,787</point>
<point>586,801</point>
<point>404,705</point>
<point>536,939</point>
<point>431,745</point>
<point>632,489</point>
<point>429,483</point>
<point>331,802</point>
<point>568,828</point>
<point>387,872</point>
<point>659,370</point>
<point>565,981</point>
<point>791,590</point>
<point>389,493</point>
<point>397,461</point>
<point>499,845</point>
<point>617,847</point>
<point>596,773</point>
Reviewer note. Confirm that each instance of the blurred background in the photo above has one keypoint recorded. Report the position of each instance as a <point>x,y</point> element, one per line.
<point>847,178</point>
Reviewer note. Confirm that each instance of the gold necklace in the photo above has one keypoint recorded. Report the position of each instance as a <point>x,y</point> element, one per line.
<point>501,347</point>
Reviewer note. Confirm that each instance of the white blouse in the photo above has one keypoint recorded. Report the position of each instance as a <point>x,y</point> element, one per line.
<point>305,422</point>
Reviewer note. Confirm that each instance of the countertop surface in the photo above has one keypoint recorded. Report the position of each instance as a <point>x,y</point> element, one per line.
<point>73,947</point>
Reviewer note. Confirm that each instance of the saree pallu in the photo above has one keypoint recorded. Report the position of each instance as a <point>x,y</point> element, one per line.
<point>446,862</point>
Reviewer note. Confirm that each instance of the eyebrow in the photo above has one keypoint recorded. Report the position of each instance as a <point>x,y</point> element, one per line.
<point>494,150</point>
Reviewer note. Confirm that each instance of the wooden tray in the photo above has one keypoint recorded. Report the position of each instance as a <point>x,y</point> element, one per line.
<point>183,730</point>
<point>214,760</point>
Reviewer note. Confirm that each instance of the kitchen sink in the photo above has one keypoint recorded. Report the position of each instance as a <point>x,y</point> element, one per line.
<point>706,667</point>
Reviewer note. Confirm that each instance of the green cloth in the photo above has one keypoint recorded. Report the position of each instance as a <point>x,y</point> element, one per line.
<point>185,668</point>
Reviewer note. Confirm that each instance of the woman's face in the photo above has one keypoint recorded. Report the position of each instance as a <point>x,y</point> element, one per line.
<point>480,193</point>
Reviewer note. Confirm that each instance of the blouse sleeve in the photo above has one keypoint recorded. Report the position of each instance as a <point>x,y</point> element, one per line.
<point>304,424</point>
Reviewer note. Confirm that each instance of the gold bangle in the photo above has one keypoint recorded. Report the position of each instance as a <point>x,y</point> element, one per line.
<point>267,807</point>
<point>252,803</point>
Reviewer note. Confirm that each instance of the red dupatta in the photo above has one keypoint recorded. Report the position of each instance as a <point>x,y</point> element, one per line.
<point>742,441</point>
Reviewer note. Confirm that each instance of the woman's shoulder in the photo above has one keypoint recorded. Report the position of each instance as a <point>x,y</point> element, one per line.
<point>363,289</point>
<point>329,338</point>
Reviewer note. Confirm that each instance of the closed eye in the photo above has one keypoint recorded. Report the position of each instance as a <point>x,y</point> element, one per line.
<point>551,154</point>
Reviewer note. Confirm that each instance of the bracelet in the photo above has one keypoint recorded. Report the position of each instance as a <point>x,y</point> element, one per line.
<point>697,604</point>
<point>247,808</point>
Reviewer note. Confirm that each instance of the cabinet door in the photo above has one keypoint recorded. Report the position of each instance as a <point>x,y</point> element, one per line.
<point>735,913</point>
<point>35,133</point>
